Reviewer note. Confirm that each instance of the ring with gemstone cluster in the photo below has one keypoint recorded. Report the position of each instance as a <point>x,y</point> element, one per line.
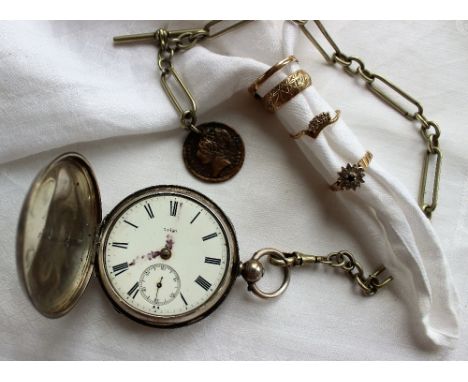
<point>352,175</point>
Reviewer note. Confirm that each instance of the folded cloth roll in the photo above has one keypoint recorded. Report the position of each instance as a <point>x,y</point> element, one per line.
<point>381,207</point>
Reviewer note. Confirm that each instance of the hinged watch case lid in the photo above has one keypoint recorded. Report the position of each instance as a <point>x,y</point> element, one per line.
<point>56,234</point>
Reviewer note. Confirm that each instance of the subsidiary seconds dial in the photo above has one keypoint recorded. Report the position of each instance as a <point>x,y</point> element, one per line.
<point>168,256</point>
<point>165,290</point>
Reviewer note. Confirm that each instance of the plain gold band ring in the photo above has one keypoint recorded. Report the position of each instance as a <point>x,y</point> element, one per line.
<point>265,76</point>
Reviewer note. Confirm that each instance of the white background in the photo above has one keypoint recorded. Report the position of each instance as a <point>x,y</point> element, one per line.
<point>276,200</point>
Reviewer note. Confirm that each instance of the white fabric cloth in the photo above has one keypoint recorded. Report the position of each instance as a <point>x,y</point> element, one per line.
<point>64,83</point>
<point>383,209</point>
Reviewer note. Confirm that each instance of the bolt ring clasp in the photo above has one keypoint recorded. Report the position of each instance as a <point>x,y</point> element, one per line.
<point>253,270</point>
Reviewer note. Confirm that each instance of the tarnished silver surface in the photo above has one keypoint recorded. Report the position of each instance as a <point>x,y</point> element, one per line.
<point>56,231</point>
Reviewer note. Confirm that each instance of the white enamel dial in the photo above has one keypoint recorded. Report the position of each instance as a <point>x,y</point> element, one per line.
<point>167,255</point>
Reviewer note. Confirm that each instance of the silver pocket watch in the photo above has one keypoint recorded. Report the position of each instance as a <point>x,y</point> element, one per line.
<point>165,256</point>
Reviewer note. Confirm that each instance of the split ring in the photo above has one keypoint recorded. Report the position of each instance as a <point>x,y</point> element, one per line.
<point>256,266</point>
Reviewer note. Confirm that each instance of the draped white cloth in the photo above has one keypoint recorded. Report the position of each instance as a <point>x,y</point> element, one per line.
<point>65,86</point>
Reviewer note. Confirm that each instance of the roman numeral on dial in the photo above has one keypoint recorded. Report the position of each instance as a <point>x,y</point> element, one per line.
<point>203,283</point>
<point>173,207</point>
<point>210,236</point>
<point>129,223</point>
<point>120,268</point>
<point>212,260</point>
<point>183,299</point>
<point>120,245</point>
<point>134,290</point>
<point>195,217</point>
<point>149,210</point>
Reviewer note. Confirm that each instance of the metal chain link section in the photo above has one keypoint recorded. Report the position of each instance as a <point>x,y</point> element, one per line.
<point>170,42</point>
<point>429,130</point>
<point>341,260</point>
<point>166,48</point>
<point>344,260</point>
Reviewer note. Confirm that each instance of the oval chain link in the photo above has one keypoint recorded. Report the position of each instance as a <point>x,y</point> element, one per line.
<point>430,130</point>
<point>166,49</point>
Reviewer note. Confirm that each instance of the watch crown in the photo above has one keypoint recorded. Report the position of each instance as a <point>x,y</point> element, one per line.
<point>252,271</point>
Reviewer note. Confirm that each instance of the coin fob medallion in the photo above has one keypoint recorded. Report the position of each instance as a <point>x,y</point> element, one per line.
<point>214,155</point>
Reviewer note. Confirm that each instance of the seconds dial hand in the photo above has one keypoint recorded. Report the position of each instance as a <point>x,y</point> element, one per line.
<point>158,286</point>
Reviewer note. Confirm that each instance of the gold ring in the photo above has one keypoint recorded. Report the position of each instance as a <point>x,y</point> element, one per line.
<point>287,89</point>
<point>260,80</point>
<point>352,176</point>
<point>317,124</point>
